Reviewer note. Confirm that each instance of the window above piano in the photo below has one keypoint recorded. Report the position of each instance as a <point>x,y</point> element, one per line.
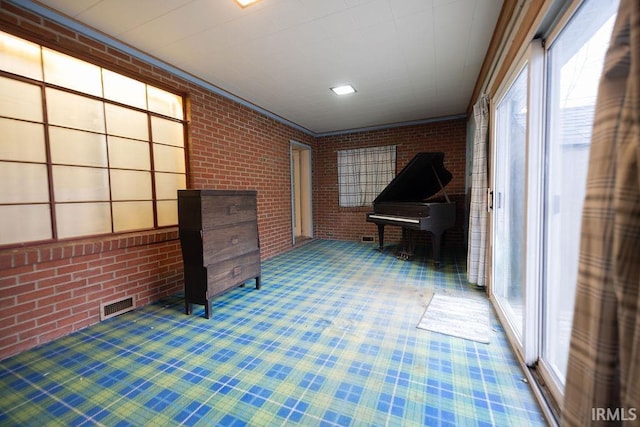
<point>363,173</point>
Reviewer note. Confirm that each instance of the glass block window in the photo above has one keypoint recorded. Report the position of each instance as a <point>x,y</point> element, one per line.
<point>83,150</point>
<point>363,173</point>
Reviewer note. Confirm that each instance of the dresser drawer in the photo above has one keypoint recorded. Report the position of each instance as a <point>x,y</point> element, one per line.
<point>235,271</point>
<point>225,210</point>
<point>202,209</point>
<point>229,241</point>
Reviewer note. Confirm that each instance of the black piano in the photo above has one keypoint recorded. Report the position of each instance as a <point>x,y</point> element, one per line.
<point>404,203</point>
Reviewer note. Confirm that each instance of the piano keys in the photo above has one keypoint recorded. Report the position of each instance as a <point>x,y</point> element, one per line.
<point>405,203</point>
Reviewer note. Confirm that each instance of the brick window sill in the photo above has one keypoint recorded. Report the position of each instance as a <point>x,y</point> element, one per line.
<point>28,255</point>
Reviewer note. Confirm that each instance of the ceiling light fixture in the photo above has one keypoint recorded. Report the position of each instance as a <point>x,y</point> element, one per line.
<point>343,90</point>
<point>245,3</point>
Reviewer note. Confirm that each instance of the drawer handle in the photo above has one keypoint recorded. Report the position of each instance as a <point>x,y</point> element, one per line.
<point>237,270</point>
<point>234,240</point>
<point>233,209</point>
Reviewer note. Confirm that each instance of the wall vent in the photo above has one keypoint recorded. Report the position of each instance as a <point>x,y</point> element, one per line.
<point>114,308</point>
<point>368,239</point>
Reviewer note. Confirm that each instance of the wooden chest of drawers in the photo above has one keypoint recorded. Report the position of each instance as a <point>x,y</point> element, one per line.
<point>220,243</point>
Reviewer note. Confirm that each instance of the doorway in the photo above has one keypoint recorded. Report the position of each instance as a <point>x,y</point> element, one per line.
<point>301,206</point>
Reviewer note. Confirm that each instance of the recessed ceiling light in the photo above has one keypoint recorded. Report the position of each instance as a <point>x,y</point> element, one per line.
<point>343,90</point>
<point>245,3</point>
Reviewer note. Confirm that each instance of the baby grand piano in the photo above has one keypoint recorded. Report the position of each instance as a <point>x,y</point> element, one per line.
<point>404,203</point>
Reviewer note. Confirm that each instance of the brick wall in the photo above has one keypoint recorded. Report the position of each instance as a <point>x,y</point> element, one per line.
<point>51,290</point>
<point>233,147</point>
<point>47,291</point>
<point>334,222</point>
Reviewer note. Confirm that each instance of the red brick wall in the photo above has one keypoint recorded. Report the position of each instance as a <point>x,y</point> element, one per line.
<point>52,290</point>
<point>47,291</point>
<point>334,222</point>
<point>233,147</point>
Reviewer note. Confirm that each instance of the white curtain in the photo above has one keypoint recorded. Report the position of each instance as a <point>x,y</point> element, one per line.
<point>363,173</point>
<point>476,258</point>
<point>348,178</point>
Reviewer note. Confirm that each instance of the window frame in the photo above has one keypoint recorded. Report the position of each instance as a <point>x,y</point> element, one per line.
<point>156,204</point>
<point>362,188</point>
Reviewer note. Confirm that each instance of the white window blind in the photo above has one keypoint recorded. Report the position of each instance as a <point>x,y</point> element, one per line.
<point>363,173</point>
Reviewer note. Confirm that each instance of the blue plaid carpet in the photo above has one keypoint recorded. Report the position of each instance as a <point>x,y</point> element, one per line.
<point>329,340</point>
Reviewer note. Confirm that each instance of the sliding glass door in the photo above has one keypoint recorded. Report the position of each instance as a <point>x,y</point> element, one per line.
<point>575,60</point>
<point>542,134</point>
<point>509,205</point>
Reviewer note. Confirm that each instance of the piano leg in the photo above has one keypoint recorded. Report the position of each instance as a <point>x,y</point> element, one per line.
<point>436,239</point>
<point>407,245</point>
<point>380,237</point>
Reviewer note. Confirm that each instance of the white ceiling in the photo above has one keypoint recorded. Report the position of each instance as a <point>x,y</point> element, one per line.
<point>409,60</point>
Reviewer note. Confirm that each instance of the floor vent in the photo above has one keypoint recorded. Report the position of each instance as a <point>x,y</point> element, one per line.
<point>368,239</point>
<point>113,308</point>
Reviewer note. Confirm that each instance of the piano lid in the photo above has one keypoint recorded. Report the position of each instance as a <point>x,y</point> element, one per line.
<point>417,180</point>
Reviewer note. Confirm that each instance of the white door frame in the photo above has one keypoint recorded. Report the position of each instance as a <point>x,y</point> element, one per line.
<point>305,184</point>
<point>528,345</point>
